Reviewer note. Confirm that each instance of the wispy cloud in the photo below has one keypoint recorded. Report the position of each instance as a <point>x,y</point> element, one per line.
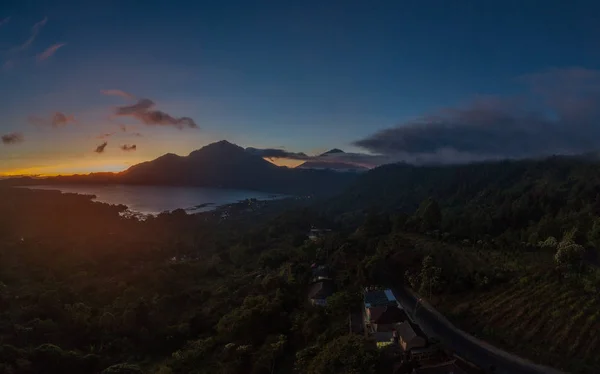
<point>351,159</point>
<point>35,30</point>
<point>58,119</point>
<point>127,147</point>
<point>117,93</point>
<point>277,153</point>
<point>104,136</point>
<point>4,21</point>
<point>559,115</point>
<point>101,147</point>
<point>12,138</point>
<point>143,111</point>
<point>50,51</point>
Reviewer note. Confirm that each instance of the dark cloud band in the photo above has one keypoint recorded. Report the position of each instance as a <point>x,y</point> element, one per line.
<point>561,115</point>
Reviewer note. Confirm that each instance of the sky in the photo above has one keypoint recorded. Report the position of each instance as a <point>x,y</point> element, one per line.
<point>386,81</point>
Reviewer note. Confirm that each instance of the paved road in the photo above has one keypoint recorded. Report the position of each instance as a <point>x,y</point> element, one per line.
<point>480,353</point>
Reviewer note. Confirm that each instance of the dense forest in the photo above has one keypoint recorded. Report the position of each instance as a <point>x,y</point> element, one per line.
<point>84,289</point>
<point>507,250</point>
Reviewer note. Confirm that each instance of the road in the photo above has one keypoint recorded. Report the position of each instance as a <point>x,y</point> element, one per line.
<point>434,324</point>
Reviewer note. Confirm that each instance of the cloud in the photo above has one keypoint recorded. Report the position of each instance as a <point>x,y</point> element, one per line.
<point>58,119</point>
<point>559,114</point>
<point>4,21</point>
<point>117,93</point>
<point>277,153</point>
<point>100,148</point>
<point>50,51</point>
<point>104,136</point>
<point>128,148</point>
<point>356,159</point>
<point>138,134</point>
<point>34,33</point>
<point>142,111</point>
<point>12,138</point>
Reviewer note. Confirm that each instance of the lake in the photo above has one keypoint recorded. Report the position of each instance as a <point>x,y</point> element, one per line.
<point>156,199</point>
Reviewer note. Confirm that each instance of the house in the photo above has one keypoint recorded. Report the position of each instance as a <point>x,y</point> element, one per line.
<point>320,291</point>
<point>384,318</point>
<point>410,336</point>
<point>379,297</point>
<point>380,314</point>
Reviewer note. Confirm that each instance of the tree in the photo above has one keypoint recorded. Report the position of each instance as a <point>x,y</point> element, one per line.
<point>349,354</point>
<point>430,276</point>
<point>569,255</point>
<point>341,302</point>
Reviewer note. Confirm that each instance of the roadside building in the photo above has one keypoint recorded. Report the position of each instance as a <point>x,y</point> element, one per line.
<point>410,336</point>
<point>384,318</point>
<point>379,297</point>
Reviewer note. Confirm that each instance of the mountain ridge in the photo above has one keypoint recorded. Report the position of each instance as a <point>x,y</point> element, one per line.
<point>220,165</point>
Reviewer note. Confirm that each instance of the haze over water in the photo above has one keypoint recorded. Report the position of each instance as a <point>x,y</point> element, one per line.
<point>156,199</point>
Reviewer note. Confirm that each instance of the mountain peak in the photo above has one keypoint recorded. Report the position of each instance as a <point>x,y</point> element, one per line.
<point>332,151</point>
<point>222,146</point>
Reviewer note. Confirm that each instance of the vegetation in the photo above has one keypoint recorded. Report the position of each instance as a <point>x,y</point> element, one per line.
<point>506,250</point>
<point>93,291</point>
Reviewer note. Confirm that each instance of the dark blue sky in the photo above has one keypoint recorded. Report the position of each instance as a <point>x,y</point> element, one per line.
<point>304,75</point>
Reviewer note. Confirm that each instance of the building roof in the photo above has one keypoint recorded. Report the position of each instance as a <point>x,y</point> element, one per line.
<point>384,315</point>
<point>379,298</point>
<point>408,331</point>
<point>321,290</point>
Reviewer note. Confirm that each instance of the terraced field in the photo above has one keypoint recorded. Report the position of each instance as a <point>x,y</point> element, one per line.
<point>547,320</point>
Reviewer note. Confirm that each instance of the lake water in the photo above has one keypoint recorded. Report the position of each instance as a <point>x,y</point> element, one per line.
<point>156,199</point>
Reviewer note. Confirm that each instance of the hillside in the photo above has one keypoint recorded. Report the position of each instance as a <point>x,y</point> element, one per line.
<point>484,198</point>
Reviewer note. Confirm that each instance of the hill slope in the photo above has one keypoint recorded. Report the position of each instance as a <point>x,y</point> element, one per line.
<point>485,198</point>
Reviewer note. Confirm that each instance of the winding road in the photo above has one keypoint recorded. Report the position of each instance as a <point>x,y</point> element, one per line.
<point>483,354</point>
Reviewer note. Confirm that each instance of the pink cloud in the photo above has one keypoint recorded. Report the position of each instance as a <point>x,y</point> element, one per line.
<point>142,111</point>
<point>50,51</point>
<point>58,119</point>
<point>117,93</point>
<point>34,33</point>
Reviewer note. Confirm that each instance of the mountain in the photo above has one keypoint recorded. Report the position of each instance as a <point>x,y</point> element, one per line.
<point>332,160</point>
<point>220,165</point>
<point>491,198</point>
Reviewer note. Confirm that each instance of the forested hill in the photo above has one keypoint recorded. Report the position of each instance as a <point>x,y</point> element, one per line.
<point>529,197</point>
